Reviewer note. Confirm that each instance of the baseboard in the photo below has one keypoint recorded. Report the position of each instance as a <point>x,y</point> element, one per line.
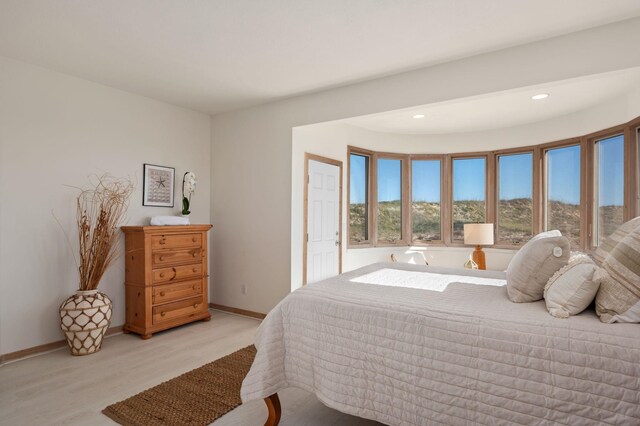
<point>238,311</point>
<point>13,356</point>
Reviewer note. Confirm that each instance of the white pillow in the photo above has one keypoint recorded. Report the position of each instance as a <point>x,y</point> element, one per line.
<point>618,299</point>
<point>572,289</point>
<point>533,265</point>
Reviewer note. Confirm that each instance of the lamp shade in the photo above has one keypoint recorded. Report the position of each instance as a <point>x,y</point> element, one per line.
<point>478,234</point>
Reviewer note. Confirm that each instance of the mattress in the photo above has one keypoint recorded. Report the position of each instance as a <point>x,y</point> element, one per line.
<point>415,345</point>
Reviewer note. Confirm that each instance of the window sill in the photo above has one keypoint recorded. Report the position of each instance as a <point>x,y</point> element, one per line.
<point>439,245</point>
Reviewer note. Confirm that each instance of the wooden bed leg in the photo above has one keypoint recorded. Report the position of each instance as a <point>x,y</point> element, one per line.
<point>275,411</point>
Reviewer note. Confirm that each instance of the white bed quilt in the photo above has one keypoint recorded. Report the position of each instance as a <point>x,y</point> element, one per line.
<point>414,345</point>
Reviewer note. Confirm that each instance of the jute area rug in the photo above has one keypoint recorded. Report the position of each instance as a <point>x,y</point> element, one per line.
<point>196,398</point>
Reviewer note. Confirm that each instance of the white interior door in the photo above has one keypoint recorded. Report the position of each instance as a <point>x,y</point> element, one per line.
<point>323,212</point>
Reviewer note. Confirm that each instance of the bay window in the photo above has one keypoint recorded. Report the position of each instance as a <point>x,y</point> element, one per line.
<point>585,187</point>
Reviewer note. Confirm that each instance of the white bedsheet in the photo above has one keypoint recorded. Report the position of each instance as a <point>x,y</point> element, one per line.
<point>459,353</point>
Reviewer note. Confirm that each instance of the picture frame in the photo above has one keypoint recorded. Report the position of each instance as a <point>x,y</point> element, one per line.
<point>158,186</point>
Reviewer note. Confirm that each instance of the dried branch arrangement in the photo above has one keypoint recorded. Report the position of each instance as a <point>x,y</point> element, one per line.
<point>100,211</point>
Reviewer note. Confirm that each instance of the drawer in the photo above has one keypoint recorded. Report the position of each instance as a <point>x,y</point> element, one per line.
<point>175,310</point>
<point>177,273</point>
<point>177,256</point>
<point>176,241</point>
<point>170,292</point>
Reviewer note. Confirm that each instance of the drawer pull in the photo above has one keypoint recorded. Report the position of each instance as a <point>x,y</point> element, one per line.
<point>195,305</point>
<point>163,241</point>
<point>194,239</point>
<point>193,287</point>
<point>162,294</point>
<point>161,274</point>
<point>194,254</point>
<point>175,273</point>
<point>163,313</point>
<point>161,258</point>
<point>195,270</point>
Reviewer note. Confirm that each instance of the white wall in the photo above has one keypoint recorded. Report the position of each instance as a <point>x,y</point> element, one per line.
<point>252,204</point>
<point>56,130</point>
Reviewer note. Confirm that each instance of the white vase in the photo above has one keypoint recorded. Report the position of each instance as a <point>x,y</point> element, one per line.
<point>84,319</point>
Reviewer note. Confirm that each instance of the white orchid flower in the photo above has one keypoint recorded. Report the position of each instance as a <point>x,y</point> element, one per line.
<point>188,188</point>
<point>189,183</point>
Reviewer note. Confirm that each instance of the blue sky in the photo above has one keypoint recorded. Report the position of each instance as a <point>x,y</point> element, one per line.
<point>357,165</point>
<point>469,179</point>
<point>515,176</point>
<point>389,179</point>
<point>425,176</point>
<point>611,171</point>
<point>564,174</point>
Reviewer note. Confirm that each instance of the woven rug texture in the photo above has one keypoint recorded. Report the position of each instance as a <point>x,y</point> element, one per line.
<point>195,398</point>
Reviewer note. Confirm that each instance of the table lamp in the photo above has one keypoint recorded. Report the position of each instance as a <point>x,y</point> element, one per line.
<point>478,234</point>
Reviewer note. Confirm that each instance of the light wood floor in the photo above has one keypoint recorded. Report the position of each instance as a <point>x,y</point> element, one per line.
<point>58,389</point>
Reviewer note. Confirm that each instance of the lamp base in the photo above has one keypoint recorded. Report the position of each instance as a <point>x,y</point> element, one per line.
<point>478,257</point>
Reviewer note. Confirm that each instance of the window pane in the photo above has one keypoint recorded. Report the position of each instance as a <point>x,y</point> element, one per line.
<point>609,178</point>
<point>515,197</point>
<point>358,198</point>
<point>468,193</point>
<point>563,192</point>
<point>425,200</point>
<point>389,200</point>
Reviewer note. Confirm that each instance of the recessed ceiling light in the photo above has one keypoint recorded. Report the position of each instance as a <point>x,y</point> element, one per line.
<point>418,116</point>
<point>540,96</point>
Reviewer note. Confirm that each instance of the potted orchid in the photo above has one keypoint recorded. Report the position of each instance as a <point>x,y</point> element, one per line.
<point>188,188</point>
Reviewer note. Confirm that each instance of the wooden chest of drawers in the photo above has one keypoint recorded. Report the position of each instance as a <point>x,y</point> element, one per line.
<point>166,277</point>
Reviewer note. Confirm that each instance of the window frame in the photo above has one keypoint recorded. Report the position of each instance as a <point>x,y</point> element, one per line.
<point>489,191</point>
<point>443,197</point>
<point>535,192</point>
<point>369,154</point>
<point>587,144</point>
<point>543,180</point>
<point>590,142</point>
<point>405,198</point>
<point>632,178</point>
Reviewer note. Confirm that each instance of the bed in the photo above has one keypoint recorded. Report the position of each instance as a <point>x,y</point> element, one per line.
<point>413,345</point>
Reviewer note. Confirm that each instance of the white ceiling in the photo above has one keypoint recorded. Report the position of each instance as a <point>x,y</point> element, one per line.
<point>219,55</point>
<point>505,109</point>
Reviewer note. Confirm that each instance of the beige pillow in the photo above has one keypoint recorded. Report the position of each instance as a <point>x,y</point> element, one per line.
<point>533,265</point>
<point>610,243</point>
<point>618,299</point>
<point>572,288</point>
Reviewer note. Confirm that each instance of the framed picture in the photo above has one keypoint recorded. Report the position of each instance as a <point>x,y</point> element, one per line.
<point>158,186</point>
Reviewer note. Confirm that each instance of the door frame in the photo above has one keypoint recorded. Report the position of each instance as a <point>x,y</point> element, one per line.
<point>305,238</point>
